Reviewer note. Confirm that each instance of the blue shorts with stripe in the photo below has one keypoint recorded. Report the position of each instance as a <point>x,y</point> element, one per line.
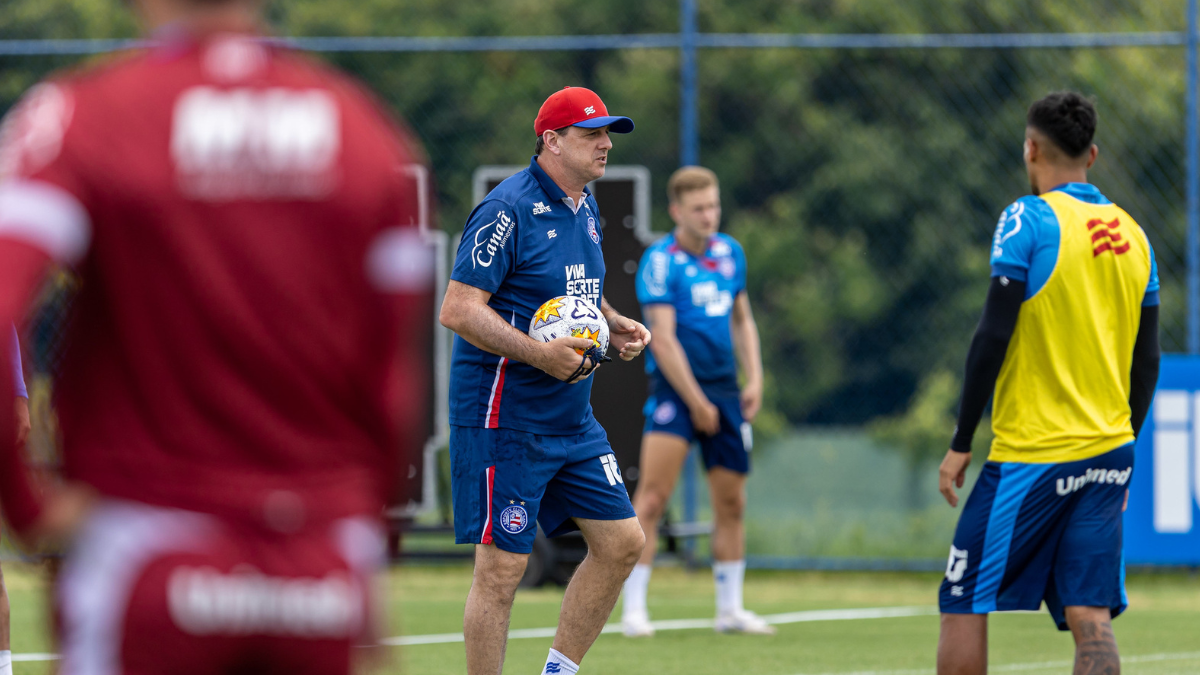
<point>504,480</point>
<point>1034,532</point>
<point>666,413</point>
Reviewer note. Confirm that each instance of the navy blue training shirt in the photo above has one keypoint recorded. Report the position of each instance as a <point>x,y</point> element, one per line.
<point>525,245</point>
<point>702,290</point>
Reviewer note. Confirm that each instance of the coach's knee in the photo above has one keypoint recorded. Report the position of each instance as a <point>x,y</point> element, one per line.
<point>497,572</point>
<point>623,546</point>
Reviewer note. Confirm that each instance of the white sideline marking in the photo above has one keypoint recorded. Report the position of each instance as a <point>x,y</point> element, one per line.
<point>1037,665</point>
<point>685,624</point>
<point>17,658</point>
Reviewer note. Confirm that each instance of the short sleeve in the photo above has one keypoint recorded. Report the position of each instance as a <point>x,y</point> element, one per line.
<point>654,276</point>
<point>1015,241</point>
<point>740,258</point>
<point>42,194</point>
<point>487,253</point>
<point>1151,297</point>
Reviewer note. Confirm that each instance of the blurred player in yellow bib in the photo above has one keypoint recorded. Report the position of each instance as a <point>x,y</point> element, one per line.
<point>1068,343</point>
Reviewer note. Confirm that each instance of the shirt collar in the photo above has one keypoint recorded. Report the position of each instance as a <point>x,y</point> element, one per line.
<point>550,187</point>
<point>674,247</point>
<point>1084,192</point>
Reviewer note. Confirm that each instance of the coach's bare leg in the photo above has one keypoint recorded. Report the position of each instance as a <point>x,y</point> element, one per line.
<point>489,604</point>
<point>728,491</point>
<point>614,546</point>
<point>962,646</point>
<point>663,456</point>
<point>1095,645</point>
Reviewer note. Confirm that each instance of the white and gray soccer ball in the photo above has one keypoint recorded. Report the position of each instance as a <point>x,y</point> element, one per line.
<point>569,316</point>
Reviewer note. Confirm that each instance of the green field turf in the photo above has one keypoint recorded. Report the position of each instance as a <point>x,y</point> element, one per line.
<point>1160,633</point>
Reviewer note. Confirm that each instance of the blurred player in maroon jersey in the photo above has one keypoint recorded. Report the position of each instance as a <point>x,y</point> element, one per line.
<point>245,363</point>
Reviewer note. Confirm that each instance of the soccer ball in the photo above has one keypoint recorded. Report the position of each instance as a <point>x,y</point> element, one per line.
<point>569,316</point>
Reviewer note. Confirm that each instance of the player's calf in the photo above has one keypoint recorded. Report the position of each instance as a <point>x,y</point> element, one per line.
<point>1095,645</point>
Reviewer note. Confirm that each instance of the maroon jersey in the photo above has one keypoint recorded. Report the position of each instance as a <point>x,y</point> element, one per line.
<point>245,224</point>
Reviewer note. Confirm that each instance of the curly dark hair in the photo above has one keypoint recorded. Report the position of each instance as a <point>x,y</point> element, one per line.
<point>1067,118</point>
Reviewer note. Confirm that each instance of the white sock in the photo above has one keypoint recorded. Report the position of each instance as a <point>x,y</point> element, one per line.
<point>635,591</point>
<point>728,575</point>
<point>557,664</point>
<point>6,663</point>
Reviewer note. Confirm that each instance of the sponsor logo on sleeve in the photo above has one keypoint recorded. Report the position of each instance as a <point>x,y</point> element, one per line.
<point>1008,227</point>
<point>490,239</point>
<point>655,274</point>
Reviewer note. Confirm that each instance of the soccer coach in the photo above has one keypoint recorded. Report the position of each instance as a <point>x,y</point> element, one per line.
<point>524,444</point>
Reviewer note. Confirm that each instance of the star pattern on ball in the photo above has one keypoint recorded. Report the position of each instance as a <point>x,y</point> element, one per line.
<point>547,310</point>
<point>583,332</point>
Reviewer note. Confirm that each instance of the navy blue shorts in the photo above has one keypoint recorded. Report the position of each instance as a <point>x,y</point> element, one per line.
<point>1034,532</point>
<point>503,480</point>
<point>667,413</point>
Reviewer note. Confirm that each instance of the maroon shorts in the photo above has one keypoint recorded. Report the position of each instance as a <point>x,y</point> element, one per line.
<point>147,590</point>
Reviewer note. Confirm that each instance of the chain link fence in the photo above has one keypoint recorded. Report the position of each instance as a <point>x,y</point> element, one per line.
<point>863,167</point>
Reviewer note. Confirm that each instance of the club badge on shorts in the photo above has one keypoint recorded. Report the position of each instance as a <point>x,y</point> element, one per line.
<point>664,413</point>
<point>592,230</point>
<point>514,519</point>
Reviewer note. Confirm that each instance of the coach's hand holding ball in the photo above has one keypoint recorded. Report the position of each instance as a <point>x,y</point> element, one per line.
<point>560,358</point>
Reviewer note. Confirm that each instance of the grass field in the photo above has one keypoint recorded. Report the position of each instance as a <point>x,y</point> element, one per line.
<point>1159,634</point>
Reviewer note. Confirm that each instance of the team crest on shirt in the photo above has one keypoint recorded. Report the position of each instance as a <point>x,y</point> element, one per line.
<point>514,519</point>
<point>727,267</point>
<point>592,230</point>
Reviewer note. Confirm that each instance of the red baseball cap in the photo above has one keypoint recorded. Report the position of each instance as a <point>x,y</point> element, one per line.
<point>578,107</point>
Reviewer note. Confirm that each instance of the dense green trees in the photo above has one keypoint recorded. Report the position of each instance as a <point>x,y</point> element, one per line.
<point>864,184</point>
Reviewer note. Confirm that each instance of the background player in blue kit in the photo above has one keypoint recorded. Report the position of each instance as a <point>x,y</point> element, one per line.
<point>692,287</point>
<point>1068,343</point>
<point>22,415</point>
<point>524,444</point>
